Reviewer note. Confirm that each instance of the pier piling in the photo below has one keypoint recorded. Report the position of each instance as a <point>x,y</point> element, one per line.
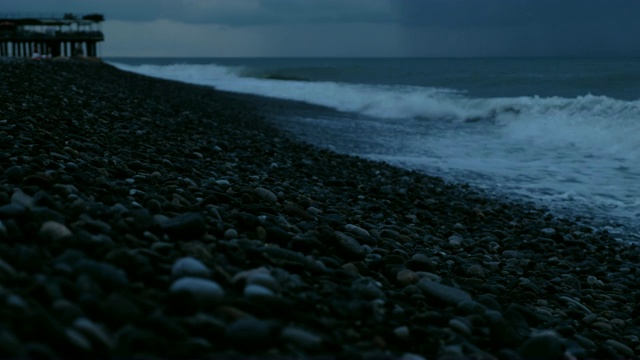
<point>49,35</point>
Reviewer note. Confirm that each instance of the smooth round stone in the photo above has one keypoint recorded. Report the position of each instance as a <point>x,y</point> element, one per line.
<point>77,339</point>
<point>420,262</point>
<point>476,271</point>
<point>66,310</point>
<point>407,277</point>
<point>257,291</point>
<point>189,266</point>
<point>445,294</point>
<point>20,198</point>
<point>264,279</point>
<point>350,247</point>
<point>356,230</point>
<point>231,234</point>
<point>103,273</point>
<point>250,333</point>
<point>548,231</point>
<point>301,337</point>
<point>460,327</point>
<point>267,195</point>
<point>53,230</point>
<point>6,269</point>
<point>594,282</point>
<point>93,331</point>
<point>620,348</point>
<point>402,332</point>
<point>202,290</point>
<point>367,289</point>
<point>546,345</point>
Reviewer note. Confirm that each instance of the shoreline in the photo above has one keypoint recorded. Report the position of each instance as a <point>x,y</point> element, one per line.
<point>170,220</point>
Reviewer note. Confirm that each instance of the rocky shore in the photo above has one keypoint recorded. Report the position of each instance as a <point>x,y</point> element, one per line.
<point>152,219</point>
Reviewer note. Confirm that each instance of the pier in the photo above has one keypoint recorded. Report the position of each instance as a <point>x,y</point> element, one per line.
<point>27,35</point>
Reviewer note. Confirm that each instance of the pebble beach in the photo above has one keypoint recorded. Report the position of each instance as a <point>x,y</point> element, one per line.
<point>145,218</point>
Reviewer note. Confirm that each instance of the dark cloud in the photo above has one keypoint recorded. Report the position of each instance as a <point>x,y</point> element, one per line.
<point>426,27</point>
<point>531,27</point>
<point>226,12</point>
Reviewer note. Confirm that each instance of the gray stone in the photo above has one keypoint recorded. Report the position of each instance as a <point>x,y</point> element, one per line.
<point>103,273</point>
<point>266,195</point>
<point>77,339</point>
<point>250,334</point>
<point>94,332</point>
<point>189,266</point>
<point>203,290</point>
<point>368,289</point>
<point>53,230</point>
<point>301,337</point>
<point>22,199</point>
<point>350,246</point>
<point>356,230</point>
<point>620,348</point>
<point>420,262</point>
<point>443,293</point>
<point>548,231</point>
<point>545,345</point>
<point>460,327</point>
<point>231,234</point>
<point>257,291</point>
<point>6,270</point>
<point>186,226</point>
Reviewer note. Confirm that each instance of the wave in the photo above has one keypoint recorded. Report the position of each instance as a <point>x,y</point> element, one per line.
<point>583,121</point>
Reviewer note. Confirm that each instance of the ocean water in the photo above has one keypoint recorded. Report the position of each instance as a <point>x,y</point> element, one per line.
<point>563,133</point>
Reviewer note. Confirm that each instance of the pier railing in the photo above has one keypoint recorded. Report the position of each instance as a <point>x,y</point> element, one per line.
<point>55,34</point>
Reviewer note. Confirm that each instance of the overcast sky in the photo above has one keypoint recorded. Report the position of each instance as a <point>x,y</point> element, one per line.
<point>358,27</point>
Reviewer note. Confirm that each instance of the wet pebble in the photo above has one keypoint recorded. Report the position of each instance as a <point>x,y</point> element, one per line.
<point>189,266</point>
<point>203,290</point>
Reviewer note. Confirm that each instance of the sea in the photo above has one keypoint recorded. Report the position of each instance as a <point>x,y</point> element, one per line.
<point>561,133</point>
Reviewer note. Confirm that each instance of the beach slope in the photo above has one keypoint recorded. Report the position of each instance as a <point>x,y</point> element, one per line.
<point>143,217</point>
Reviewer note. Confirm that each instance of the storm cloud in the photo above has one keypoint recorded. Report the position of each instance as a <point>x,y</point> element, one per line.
<point>358,27</point>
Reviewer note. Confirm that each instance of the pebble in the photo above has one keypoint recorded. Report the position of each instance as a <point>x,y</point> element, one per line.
<point>545,345</point>
<point>22,199</point>
<point>78,339</point>
<point>94,332</point>
<point>351,247</point>
<point>460,327</point>
<point>267,195</point>
<point>189,266</point>
<point>548,231</point>
<point>6,270</point>
<point>186,226</point>
<point>141,247</point>
<point>250,334</point>
<point>203,290</point>
<point>257,291</point>
<point>103,273</point>
<point>356,230</point>
<point>443,293</point>
<point>301,337</point>
<point>420,262</point>
<point>55,231</point>
<point>264,279</point>
<point>367,289</point>
<point>231,234</point>
<point>621,348</point>
<point>407,277</point>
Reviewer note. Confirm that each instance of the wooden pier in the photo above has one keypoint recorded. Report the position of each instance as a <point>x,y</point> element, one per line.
<point>44,36</point>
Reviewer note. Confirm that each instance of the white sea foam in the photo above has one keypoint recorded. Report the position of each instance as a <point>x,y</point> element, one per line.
<point>582,149</point>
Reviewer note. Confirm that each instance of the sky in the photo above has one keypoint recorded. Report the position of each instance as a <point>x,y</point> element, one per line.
<point>350,28</point>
